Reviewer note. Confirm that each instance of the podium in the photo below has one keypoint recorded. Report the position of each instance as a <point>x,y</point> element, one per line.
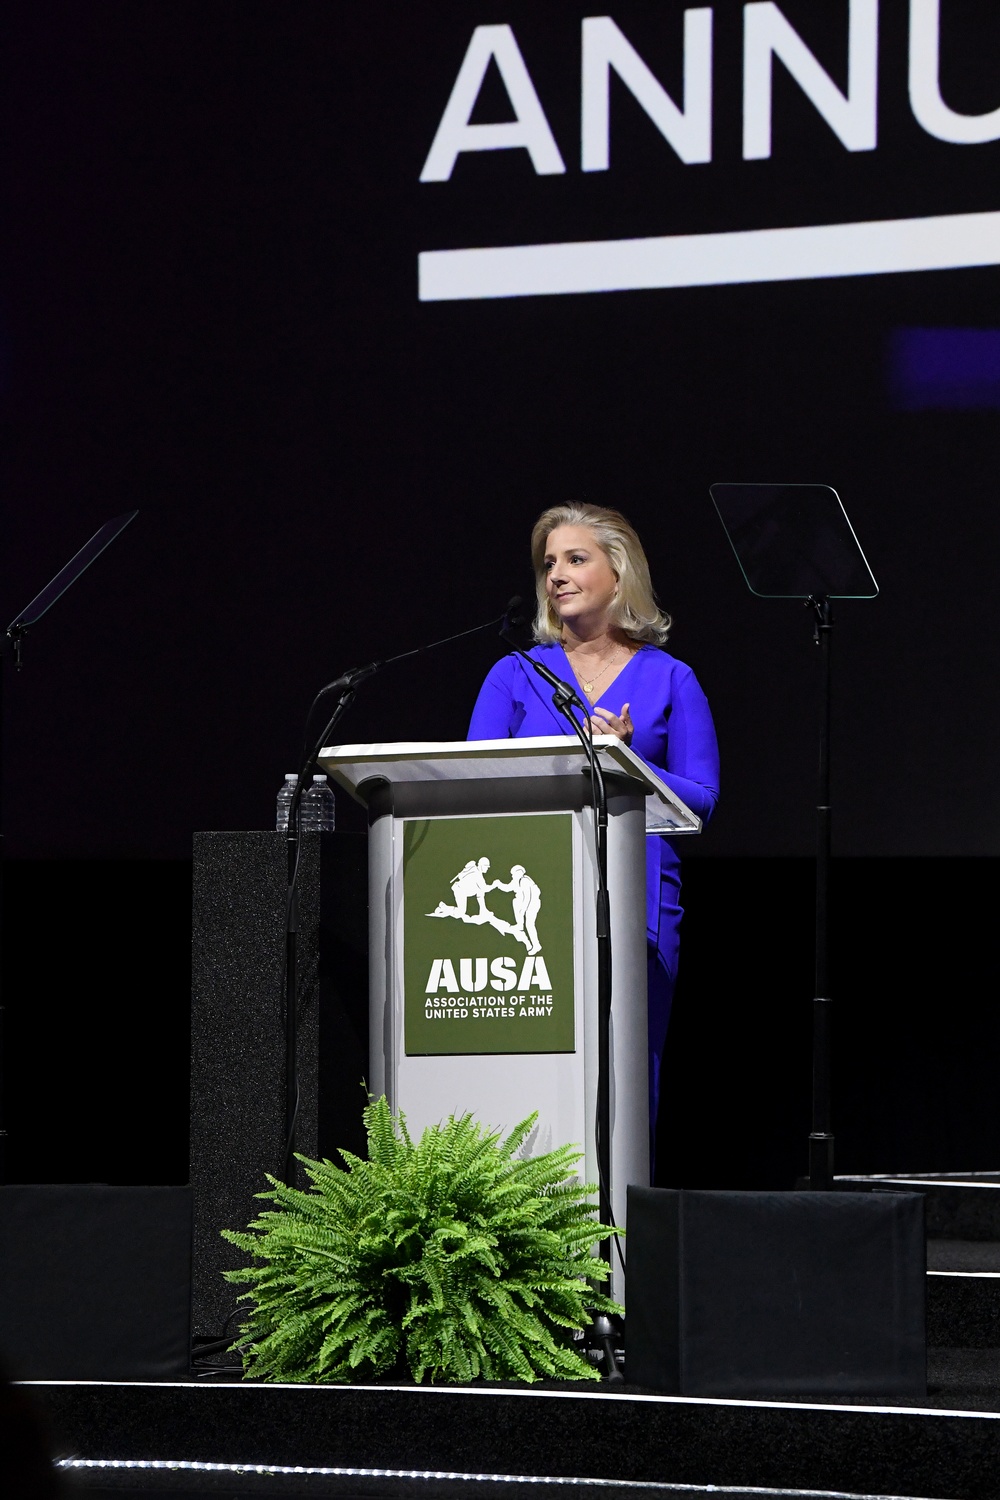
<point>482,937</point>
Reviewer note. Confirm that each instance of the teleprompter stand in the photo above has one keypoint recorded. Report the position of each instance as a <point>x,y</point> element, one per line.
<point>785,1295</point>
<point>12,644</point>
<point>794,541</point>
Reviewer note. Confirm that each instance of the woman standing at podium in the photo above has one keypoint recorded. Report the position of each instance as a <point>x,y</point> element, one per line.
<point>598,627</point>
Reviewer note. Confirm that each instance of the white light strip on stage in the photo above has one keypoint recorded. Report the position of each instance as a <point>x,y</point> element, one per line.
<point>874,248</point>
<point>658,1486</point>
<point>965,1179</point>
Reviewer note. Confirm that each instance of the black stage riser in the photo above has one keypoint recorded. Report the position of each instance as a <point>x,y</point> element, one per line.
<point>859,1450</point>
<point>963,1311</point>
<point>963,1208</point>
<point>95,1282</point>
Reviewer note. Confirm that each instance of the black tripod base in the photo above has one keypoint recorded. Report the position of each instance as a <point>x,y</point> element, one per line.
<point>820,1162</point>
<point>603,1344</point>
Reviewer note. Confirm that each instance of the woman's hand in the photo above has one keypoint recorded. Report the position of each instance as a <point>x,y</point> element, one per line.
<point>603,721</point>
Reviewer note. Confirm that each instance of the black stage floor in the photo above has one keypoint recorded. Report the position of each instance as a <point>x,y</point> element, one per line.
<point>223,1437</point>
<point>194,1438</point>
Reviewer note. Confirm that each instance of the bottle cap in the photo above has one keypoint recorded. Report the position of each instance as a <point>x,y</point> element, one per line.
<point>320,778</point>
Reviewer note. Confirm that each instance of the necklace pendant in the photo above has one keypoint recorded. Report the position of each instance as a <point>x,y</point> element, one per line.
<point>588,687</point>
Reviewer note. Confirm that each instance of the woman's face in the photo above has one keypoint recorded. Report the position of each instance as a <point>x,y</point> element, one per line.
<point>579,579</point>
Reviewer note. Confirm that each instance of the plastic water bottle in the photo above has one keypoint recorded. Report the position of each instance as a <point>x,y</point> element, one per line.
<point>285,801</point>
<point>317,810</point>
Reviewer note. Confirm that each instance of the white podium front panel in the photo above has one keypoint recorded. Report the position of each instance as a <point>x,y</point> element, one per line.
<point>499,1088</point>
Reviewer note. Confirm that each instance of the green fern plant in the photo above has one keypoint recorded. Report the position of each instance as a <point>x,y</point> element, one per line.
<point>453,1256</point>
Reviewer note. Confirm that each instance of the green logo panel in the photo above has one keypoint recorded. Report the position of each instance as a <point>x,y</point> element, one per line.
<point>488,934</point>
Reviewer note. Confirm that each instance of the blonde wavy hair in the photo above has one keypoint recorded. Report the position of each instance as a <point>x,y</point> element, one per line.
<point>634,609</point>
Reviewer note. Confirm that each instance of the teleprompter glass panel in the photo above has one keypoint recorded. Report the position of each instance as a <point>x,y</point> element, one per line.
<point>68,575</point>
<point>793,541</point>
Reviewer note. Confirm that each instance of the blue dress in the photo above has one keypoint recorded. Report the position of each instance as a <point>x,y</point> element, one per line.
<point>673,733</point>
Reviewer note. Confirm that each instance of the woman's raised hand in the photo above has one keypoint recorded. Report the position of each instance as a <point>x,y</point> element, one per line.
<point>603,721</point>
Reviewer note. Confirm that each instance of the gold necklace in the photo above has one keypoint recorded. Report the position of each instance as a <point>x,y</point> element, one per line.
<point>588,687</point>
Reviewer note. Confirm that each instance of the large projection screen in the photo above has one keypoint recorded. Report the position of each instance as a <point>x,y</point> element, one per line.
<point>341,296</point>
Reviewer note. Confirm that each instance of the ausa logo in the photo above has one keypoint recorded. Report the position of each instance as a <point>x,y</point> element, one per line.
<point>489,939</point>
<point>471,885</point>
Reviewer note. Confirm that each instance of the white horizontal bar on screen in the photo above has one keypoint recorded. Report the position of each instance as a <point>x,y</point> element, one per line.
<point>872,248</point>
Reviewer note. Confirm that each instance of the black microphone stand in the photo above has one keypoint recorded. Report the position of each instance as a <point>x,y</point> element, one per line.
<point>566,700</point>
<point>293,849</point>
<point>345,686</point>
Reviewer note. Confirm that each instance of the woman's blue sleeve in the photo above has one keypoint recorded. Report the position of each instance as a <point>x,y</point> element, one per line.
<point>692,769</point>
<point>495,711</point>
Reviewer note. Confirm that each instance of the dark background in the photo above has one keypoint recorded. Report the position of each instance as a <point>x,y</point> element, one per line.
<point>208,310</point>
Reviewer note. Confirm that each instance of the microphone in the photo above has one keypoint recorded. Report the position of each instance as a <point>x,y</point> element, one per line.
<point>348,681</point>
<point>351,679</point>
<point>511,615</point>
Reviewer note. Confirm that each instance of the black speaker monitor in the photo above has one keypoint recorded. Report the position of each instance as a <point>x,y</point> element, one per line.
<point>796,1294</point>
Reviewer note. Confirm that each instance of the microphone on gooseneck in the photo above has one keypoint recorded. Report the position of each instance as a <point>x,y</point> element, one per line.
<point>512,616</point>
<point>348,682</point>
